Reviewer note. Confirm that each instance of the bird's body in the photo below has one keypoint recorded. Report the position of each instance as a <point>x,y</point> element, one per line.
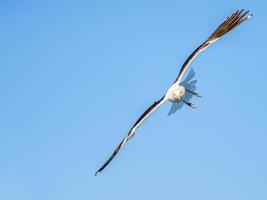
<point>177,92</point>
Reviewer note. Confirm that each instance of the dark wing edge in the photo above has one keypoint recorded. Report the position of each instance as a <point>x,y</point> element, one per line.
<point>153,107</point>
<point>227,25</point>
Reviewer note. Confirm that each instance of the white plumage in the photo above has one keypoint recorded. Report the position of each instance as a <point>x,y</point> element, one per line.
<point>182,92</point>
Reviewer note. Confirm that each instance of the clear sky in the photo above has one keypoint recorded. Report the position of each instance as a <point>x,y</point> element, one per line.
<point>75,75</point>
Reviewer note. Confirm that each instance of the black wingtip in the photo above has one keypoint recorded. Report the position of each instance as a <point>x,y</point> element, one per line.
<point>96,174</point>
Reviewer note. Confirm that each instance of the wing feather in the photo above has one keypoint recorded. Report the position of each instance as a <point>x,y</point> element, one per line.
<point>152,108</point>
<point>227,25</point>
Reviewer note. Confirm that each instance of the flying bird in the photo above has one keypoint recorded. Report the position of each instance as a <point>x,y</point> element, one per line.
<point>178,90</point>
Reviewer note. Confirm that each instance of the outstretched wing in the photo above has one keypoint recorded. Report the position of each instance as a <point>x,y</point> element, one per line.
<point>132,131</point>
<point>227,25</point>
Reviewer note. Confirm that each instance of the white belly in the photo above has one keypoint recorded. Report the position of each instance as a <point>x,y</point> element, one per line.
<point>175,93</point>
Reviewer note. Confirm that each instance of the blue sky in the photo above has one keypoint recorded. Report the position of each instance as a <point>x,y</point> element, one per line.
<point>75,75</point>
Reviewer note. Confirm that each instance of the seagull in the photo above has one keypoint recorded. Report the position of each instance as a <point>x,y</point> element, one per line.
<point>178,90</point>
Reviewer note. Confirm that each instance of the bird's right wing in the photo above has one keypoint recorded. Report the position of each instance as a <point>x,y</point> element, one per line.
<point>227,25</point>
<point>153,107</point>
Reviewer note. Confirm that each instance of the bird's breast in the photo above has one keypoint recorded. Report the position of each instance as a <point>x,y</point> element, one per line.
<point>176,93</point>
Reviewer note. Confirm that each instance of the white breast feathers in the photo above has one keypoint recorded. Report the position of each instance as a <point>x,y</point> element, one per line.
<point>175,93</point>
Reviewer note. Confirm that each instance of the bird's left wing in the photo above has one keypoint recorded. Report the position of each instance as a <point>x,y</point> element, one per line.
<point>227,25</point>
<point>152,108</point>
